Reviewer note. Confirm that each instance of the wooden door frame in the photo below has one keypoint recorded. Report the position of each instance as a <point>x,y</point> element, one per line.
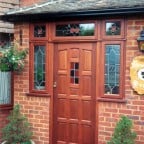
<point>55,44</point>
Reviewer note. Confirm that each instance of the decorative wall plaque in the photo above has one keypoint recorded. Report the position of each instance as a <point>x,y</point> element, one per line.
<point>137,74</point>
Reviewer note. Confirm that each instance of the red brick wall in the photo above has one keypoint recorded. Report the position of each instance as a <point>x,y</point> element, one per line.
<point>3,119</point>
<point>29,2</point>
<point>109,113</point>
<point>37,108</point>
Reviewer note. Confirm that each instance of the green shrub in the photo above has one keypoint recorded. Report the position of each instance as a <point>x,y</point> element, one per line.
<point>18,128</point>
<point>123,133</point>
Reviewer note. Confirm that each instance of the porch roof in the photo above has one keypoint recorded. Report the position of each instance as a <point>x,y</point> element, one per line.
<point>57,9</point>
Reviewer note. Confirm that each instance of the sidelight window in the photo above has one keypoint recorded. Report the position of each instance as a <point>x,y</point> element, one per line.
<point>113,53</point>
<point>112,69</point>
<point>39,67</point>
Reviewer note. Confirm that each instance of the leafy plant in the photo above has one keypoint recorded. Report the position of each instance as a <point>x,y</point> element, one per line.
<point>17,131</point>
<point>123,133</point>
<point>12,59</point>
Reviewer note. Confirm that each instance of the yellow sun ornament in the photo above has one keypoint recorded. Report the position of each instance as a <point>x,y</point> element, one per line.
<point>137,74</point>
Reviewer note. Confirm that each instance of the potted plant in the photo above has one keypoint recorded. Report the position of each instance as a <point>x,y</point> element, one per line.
<point>12,59</point>
<point>123,133</point>
<point>18,130</point>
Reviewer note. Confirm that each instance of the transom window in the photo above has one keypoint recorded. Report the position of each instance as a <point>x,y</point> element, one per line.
<point>86,29</point>
<point>39,31</point>
<point>113,28</point>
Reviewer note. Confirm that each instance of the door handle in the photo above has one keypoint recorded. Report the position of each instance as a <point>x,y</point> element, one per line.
<point>55,84</point>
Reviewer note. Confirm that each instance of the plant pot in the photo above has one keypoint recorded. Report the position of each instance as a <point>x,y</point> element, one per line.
<point>32,142</point>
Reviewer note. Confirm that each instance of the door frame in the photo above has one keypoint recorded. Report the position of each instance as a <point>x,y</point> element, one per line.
<point>55,45</point>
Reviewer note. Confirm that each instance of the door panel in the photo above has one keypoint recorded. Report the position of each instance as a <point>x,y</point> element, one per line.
<point>74,96</point>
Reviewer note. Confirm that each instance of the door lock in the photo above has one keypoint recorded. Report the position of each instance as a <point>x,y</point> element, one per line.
<point>55,84</point>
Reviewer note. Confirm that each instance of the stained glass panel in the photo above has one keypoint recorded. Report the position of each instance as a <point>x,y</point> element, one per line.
<point>39,67</point>
<point>75,29</point>
<point>39,31</point>
<point>74,73</point>
<point>113,28</point>
<point>112,67</point>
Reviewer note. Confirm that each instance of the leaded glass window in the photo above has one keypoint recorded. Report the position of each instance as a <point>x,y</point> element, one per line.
<point>39,67</point>
<point>39,31</point>
<point>74,73</point>
<point>113,28</point>
<point>75,29</point>
<point>112,69</point>
<point>5,88</point>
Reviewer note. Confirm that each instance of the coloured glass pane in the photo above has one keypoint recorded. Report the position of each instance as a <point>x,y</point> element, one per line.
<point>74,73</point>
<point>112,69</point>
<point>113,28</point>
<point>39,67</point>
<point>75,29</point>
<point>39,31</point>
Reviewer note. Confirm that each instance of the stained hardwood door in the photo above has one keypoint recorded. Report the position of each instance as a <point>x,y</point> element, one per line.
<point>74,94</point>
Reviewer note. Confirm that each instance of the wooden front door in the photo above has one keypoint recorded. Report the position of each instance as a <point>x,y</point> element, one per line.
<point>74,94</point>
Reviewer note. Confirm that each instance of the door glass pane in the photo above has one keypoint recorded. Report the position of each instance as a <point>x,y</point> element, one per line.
<point>74,73</point>
<point>39,31</point>
<point>5,88</point>
<point>113,28</point>
<point>75,29</point>
<point>39,67</point>
<point>112,69</point>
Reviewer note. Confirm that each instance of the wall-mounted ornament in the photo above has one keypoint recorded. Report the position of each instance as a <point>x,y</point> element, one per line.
<point>137,74</point>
